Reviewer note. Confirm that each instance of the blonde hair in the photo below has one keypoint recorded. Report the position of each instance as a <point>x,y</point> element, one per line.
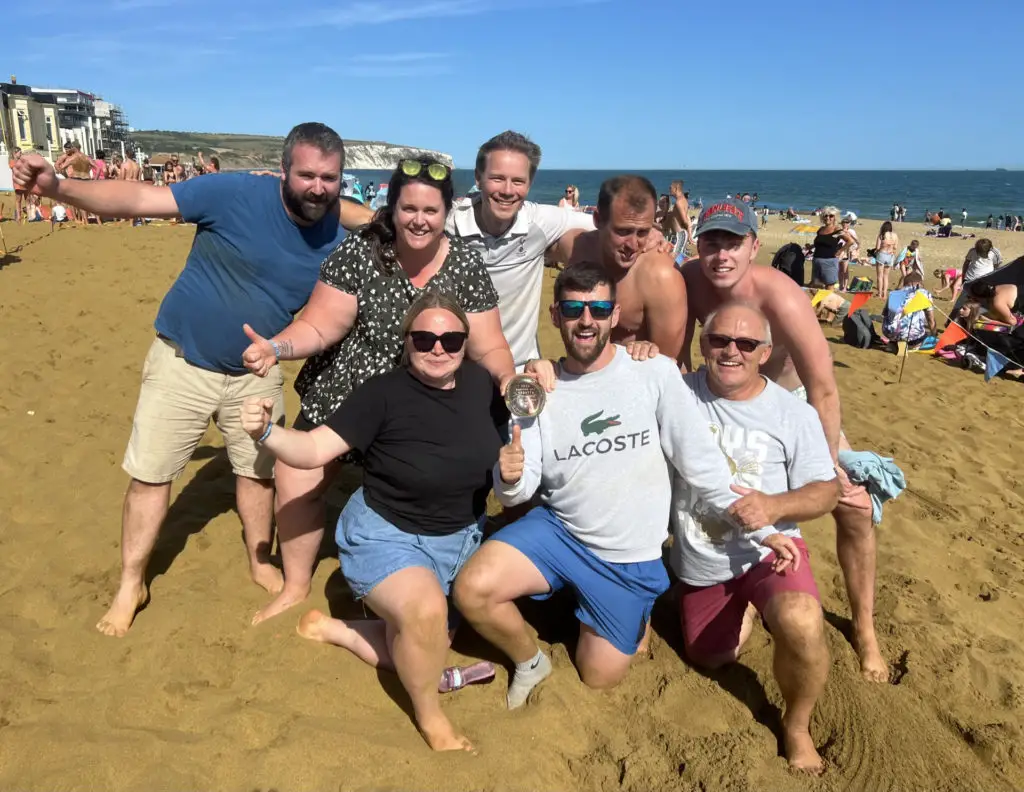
<point>425,302</point>
<point>830,210</point>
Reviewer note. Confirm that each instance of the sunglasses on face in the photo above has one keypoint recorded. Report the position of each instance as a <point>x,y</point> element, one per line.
<point>435,170</point>
<point>573,309</point>
<point>451,342</point>
<point>744,345</point>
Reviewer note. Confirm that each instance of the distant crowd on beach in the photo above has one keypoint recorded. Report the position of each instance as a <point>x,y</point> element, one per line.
<point>75,164</point>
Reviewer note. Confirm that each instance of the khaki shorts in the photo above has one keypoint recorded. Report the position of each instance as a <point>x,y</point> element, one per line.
<point>175,406</point>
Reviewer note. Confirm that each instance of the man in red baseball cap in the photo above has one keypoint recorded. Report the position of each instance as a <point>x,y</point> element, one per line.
<point>725,272</point>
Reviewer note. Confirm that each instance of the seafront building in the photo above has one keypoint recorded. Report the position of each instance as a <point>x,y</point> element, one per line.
<point>42,120</point>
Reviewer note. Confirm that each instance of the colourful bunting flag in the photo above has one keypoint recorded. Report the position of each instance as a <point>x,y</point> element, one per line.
<point>820,295</point>
<point>994,363</point>
<point>919,302</point>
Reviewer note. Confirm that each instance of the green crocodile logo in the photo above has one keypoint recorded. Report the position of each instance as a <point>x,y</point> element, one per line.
<point>595,424</point>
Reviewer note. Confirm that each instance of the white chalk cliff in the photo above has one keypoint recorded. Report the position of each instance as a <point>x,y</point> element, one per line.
<point>385,156</point>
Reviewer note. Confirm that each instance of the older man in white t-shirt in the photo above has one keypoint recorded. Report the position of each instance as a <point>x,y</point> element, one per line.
<point>513,234</point>
<point>780,460</point>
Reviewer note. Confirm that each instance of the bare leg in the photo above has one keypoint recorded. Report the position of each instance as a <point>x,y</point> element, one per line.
<point>416,613</point>
<point>600,664</point>
<point>366,638</point>
<point>879,280</point>
<point>856,549</point>
<point>800,664</point>
<point>300,529</point>
<point>485,591</point>
<point>255,500</point>
<point>145,507</point>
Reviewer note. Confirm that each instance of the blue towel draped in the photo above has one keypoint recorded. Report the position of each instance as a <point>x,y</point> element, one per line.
<point>880,475</point>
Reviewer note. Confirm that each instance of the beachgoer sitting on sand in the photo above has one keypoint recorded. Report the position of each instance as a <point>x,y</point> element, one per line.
<point>885,258</point>
<point>774,443</point>
<point>258,247</point>
<point>980,260</point>
<point>951,279</point>
<point>800,363</point>
<point>652,294</point>
<point>825,266</point>
<point>596,456</point>
<point>915,327</point>
<point>429,433</point>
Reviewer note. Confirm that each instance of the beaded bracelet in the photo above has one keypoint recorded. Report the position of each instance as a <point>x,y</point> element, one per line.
<point>266,433</point>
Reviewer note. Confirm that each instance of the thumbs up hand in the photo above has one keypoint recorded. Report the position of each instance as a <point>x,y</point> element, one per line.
<point>257,414</point>
<point>259,357</point>
<point>512,458</point>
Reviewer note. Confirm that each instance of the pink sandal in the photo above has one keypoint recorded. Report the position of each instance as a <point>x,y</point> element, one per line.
<point>455,677</point>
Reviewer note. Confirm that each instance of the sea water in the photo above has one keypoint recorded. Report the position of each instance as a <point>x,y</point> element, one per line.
<point>866,193</point>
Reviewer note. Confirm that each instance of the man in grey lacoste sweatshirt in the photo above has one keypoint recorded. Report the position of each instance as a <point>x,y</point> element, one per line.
<point>597,454</point>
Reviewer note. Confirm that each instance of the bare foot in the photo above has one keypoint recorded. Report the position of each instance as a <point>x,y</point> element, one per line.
<point>119,616</point>
<point>282,602</point>
<point>311,625</point>
<point>800,751</point>
<point>441,735</point>
<point>872,665</point>
<point>267,576</point>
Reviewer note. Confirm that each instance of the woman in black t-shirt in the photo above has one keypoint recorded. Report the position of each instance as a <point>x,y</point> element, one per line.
<point>349,332</point>
<point>429,435</point>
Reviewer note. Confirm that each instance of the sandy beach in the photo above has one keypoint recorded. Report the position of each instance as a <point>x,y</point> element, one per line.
<point>195,698</point>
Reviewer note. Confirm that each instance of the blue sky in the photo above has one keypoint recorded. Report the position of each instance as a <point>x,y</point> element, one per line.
<point>638,84</point>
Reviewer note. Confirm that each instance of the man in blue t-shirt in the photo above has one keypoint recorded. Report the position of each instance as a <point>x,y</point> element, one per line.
<point>256,256</point>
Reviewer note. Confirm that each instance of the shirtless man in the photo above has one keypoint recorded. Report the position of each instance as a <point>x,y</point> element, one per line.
<point>211,166</point>
<point>130,171</point>
<point>727,246</point>
<point>75,165</point>
<point>651,295</point>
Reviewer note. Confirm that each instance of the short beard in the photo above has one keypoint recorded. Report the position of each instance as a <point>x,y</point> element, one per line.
<point>307,211</point>
<point>585,359</point>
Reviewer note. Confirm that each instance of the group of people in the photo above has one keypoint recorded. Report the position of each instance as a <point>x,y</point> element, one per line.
<point>412,321</point>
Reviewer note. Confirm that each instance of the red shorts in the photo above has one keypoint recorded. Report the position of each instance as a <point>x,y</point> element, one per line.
<point>712,615</point>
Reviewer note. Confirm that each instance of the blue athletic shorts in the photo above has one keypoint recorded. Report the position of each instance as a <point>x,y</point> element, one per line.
<point>615,600</point>
<point>371,549</point>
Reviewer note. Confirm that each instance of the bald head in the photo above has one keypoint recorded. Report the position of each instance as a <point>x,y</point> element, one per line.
<point>732,313</point>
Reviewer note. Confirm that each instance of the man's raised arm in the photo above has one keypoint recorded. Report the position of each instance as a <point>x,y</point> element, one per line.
<point>104,197</point>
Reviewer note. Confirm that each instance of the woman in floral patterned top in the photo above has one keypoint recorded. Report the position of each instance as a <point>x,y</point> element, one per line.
<point>351,330</point>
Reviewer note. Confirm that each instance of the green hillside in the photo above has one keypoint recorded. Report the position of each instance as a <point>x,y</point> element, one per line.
<point>234,151</point>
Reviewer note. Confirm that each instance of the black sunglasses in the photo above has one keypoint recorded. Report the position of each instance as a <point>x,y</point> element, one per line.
<point>744,345</point>
<point>451,342</point>
<point>573,309</point>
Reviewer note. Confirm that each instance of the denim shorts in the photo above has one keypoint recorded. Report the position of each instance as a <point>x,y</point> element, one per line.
<point>825,270</point>
<point>371,549</point>
<point>615,600</point>
<point>884,259</point>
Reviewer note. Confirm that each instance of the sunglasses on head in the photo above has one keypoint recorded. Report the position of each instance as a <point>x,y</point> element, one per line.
<point>451,342</point>
<point>744,345</point>
<point>573,309</point>
<point>435,170</point>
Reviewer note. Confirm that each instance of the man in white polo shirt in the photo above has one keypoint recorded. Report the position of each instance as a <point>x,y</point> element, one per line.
<point>512,234</point>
